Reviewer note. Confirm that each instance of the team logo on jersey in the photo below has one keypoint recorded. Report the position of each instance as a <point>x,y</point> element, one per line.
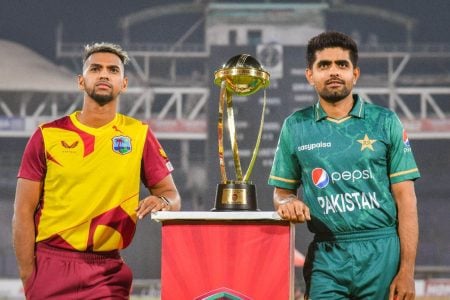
<point>405,139</point>
<point>121,144</point>
<point>320,177</point>
<point>366,143</point>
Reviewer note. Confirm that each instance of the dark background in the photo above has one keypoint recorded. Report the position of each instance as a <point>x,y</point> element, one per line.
<point>33,23</point>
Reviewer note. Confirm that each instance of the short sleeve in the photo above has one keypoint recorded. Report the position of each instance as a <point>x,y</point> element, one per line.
<point>155,163</point>
<point>285,171</point>
<point>33,165</point>
<point>402,165</point>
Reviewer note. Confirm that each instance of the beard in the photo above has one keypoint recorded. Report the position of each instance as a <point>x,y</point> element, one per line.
<point>100,99</point>
<point>334,95</point>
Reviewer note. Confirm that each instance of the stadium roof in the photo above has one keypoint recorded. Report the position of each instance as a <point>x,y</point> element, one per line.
<point>23,70</point>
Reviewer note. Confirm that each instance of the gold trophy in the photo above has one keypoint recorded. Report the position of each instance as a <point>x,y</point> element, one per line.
<point>242,75</point>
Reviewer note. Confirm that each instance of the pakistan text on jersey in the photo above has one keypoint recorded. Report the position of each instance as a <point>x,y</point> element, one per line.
<point>309,147</point>
<point>348,202</point>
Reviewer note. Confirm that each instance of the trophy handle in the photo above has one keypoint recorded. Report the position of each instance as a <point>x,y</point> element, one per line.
<point>258,141</point>
<point>233,138</point>
<point>223,93</point>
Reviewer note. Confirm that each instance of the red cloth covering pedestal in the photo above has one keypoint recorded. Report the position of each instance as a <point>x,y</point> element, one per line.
<point>226,255</point>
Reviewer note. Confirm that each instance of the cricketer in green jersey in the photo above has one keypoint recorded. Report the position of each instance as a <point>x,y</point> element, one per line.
<point>354,162</point>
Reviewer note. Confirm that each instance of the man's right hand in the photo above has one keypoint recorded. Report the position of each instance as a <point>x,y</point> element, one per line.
<point>295,211</point>
<point>25,275</point>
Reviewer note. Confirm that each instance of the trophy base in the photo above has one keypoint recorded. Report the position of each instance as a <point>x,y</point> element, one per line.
<point>232,196</point>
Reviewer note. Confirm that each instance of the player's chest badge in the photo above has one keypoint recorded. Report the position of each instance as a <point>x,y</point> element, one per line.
<point>367,143</point>
<point>121,144</point>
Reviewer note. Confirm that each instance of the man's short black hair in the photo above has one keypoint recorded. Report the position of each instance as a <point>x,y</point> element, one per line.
<point>331,39</point>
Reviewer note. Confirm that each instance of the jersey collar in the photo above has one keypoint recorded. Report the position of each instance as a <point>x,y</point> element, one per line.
<point>357,110</point>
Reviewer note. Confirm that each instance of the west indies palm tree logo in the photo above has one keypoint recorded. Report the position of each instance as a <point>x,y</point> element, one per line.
<point>121,144</point>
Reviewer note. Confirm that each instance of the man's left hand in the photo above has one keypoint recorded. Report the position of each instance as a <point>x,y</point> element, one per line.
<point>402,287</point>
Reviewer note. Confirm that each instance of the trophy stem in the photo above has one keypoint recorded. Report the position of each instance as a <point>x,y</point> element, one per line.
<point>258,141</point>
<point>233,138</point>
<point>223,93</point>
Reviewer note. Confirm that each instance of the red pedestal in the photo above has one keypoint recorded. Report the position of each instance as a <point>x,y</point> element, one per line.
<point>226,255</point>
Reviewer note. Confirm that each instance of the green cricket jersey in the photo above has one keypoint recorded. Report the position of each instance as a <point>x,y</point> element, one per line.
<point>345,166</point>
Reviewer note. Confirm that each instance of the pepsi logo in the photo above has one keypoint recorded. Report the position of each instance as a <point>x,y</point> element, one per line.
<point>405,138</point>
<point>320,177</point>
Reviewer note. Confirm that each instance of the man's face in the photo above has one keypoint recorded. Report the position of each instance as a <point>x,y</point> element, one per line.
<point>103,77</point>
<point>332,74</point>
